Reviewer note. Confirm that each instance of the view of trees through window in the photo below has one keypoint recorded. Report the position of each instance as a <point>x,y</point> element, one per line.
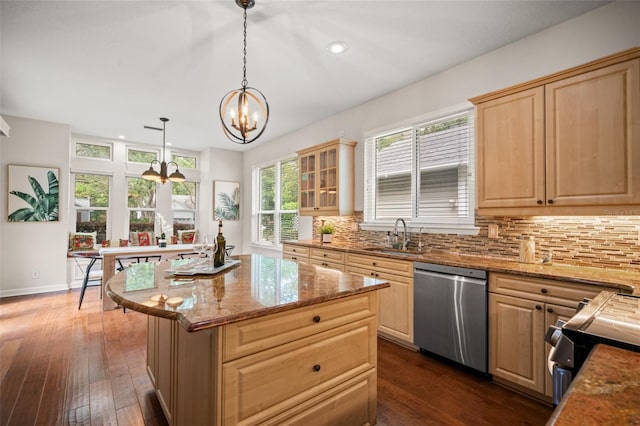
<point>141,201</point>
<point>138,156</point>
<point>183,161</point>
<point>90,150</point>
<point>91,202</point>
<point>278,202</point>
<point>183,205</point>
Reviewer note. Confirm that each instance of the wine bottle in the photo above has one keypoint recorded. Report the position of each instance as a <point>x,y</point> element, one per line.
<point>218,259</point>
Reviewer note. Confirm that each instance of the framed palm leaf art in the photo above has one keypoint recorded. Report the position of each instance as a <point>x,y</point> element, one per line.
<point>33,194</point>
<point>226,200</point>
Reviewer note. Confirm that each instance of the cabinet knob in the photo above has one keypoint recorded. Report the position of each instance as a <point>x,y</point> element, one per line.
<point>294,258</point>
<point>373,274</point>
<point>539,201</point>
<point>549,201</point>
<point>538,307</point>
<point>324,254</point>
<point>373,263</point>
<point>316,367</point>
<point>316,318</point>
<point>544,291</point>
<point>550,310</point>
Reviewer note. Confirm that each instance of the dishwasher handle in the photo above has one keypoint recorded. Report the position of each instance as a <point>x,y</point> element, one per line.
<point>450,270</point>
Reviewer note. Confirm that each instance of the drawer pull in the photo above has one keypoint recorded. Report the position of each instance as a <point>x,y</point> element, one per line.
<point>550,310</point>
<point>316,367</point>
<point>539,201</point>
<point>538,307</point>
<point>373,274</point>
<point>294,258</point>
<point>373,263</point>
<point>316,318</point>
<point>549,201</point>
<point>324,254</point>
<point>544,291</point>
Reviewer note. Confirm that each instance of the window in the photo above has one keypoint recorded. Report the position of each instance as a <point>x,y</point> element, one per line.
<point>422,173</point>
<point>184,161</point>
<point>91,150</point>
<point>139,156</point>
<point>141,201</point>
<point>183,205</point>
<point>277,202</point>
<point>91,203</point>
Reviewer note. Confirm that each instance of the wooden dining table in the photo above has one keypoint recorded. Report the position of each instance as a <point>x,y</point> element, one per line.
<point>110,254</point>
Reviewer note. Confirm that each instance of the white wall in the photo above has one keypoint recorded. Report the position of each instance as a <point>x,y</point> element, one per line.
<point>601,32</point>
<point>34,246</point>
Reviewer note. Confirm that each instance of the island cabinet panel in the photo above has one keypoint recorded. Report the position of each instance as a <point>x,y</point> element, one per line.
<point>251,336</point>
<point>260,386</point>
<point>166,377</point>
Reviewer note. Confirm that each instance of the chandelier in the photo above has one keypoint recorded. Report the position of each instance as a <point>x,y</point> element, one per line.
<point>151,173</point>
<point>244,110</point>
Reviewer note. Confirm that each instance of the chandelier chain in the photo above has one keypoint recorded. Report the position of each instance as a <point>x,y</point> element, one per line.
<point>244,52</point>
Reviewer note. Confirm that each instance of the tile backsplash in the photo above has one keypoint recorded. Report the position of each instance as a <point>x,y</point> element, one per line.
<point>596,241</point>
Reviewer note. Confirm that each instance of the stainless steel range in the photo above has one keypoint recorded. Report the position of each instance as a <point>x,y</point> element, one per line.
<point>610,318</point>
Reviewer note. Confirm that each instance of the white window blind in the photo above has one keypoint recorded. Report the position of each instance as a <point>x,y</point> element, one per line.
<point>422,173</point>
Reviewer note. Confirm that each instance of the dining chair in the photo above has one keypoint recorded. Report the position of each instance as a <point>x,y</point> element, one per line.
<point>90,275</point>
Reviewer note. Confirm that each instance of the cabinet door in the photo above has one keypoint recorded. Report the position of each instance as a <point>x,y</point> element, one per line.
<point>516,341</point>
<point>165,385</point>
<point>307,183</point>
<point>152,348</point>
<point>593,137</point>
<point>510,150</point>
<point>552,314</point>
<point>328,179</point>
<point>395,310</point>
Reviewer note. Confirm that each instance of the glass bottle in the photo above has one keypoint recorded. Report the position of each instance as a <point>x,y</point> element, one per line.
<point>218,259</point>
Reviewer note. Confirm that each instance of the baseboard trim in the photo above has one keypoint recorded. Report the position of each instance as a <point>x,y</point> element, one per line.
<point>33,290</point>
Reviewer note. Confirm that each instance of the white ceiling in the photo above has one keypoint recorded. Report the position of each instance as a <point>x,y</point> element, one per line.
<point>108,68</point>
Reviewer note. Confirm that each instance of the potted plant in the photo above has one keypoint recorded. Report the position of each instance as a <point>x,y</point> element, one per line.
<point>326,230</point>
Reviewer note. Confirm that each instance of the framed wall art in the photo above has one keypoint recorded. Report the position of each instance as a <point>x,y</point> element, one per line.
<point>226,200</point>
<point>33,194</point>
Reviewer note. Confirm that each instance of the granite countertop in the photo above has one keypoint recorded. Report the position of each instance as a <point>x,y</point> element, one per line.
<point>256,286</point>
<point>606,391</point>
<point>622,280</point>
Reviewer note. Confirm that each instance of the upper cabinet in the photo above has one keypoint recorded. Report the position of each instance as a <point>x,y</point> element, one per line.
<point>326,178</point>
<point>566,144</point>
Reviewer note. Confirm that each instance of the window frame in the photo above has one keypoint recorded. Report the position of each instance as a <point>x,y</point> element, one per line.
<point>460,226</point>
<point>107,209</point>
<point>256,211</point>
<point>194,211</point>
<point>77,141</point>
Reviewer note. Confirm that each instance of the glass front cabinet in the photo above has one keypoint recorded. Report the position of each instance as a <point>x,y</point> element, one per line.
<point>326,178</point>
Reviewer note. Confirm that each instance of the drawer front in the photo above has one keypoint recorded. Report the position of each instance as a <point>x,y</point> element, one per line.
<point>263,385</point>
<point>540,289</point>
<point>300,259</point>
<point>327,255</point>
<point>351,403</point>
<point>251,336</point>
<point>327,264</point>
<point>291,250</point>
<point>393,266</point>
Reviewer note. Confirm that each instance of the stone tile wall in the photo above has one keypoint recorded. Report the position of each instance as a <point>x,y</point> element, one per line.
<point>602,241</point>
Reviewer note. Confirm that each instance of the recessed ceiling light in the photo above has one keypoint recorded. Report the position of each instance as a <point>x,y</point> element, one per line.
<point>337,47</point>
<point>121,137</point>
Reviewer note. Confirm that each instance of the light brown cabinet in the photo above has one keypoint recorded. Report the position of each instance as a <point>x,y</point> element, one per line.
<point>294,367</point>
<point>520,311</point>
<point>395,318</point>
<point>564,144</point>
<point>326,178</point>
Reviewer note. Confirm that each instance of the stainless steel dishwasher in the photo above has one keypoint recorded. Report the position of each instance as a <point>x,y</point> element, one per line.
<point>450,313</point>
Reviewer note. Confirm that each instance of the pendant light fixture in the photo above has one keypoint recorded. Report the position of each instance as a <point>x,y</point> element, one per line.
<point>244,110</point>
<point>151,173</point>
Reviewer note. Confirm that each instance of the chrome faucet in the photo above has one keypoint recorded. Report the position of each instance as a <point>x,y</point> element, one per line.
<point>405,239</point>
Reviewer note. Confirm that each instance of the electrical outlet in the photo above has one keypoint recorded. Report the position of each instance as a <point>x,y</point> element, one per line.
<point>493,231</point>
<point>35,275</point>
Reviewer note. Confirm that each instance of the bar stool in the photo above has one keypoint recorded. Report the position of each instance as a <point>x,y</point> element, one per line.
<point>136,259</point>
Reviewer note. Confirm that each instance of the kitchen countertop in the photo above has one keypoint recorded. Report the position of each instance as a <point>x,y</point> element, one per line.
<point>606,391</point>
<point>257,286</point>
<point>622,280</point>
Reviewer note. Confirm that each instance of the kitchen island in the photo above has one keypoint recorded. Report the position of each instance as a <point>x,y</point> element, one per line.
<point>265,341</point>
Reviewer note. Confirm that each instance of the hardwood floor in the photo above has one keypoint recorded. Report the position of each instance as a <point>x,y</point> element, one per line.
<point>64,366</point>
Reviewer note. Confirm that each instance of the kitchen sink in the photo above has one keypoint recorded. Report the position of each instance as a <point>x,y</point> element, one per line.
<point>383,250</point>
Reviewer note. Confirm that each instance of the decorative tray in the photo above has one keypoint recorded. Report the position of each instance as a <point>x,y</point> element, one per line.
<point>201,267</point>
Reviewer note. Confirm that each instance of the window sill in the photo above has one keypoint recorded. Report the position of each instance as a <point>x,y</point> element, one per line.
<point>433,228</point>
